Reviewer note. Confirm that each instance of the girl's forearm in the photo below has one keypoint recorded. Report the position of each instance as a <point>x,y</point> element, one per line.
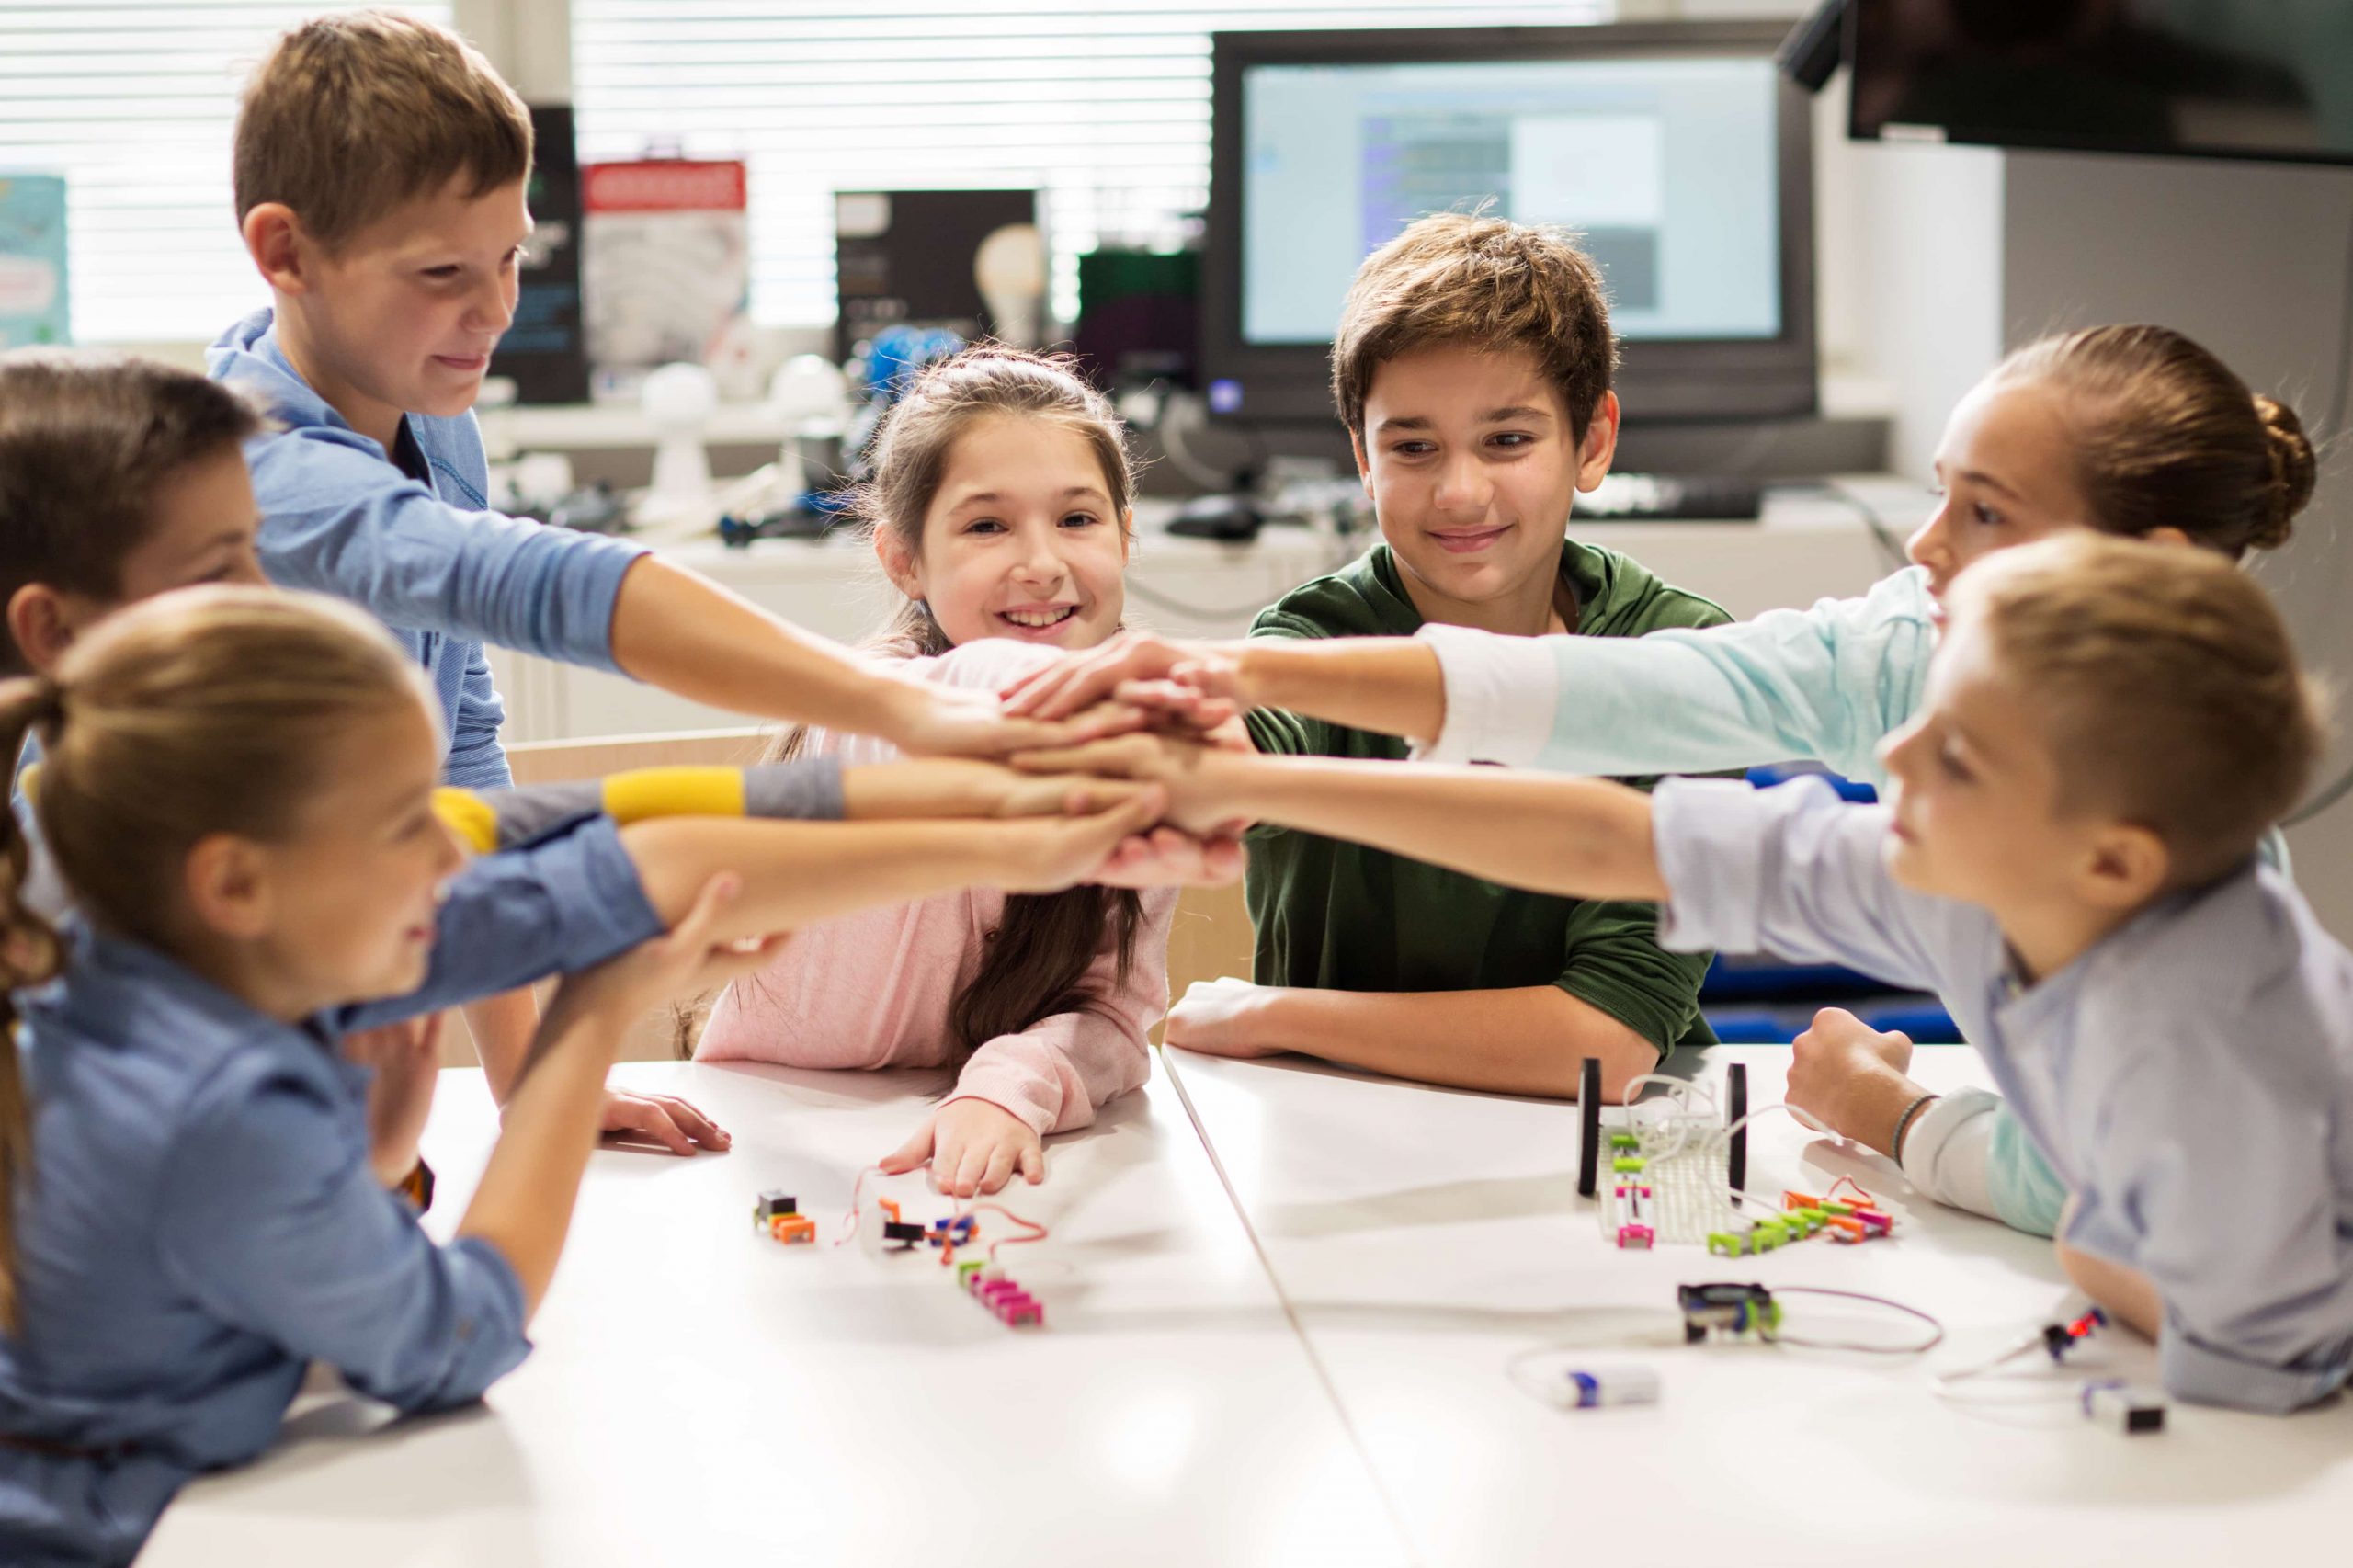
<point>923,786</point>
<point>796,873</point>
<point>523,1204</point>
<point>1576,838</point>
<point>1391,685</point>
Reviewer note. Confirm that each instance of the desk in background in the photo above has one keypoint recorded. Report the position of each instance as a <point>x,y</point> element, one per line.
<point>1809,545</point>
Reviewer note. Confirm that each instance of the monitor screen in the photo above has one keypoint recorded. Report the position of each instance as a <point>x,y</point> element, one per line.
<point>1665,167</point>
<point>1677,152</point>
<point>2243,78</point>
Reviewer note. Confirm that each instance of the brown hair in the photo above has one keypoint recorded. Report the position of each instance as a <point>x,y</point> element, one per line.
<point>1037,959</point>
<point>214,709</point>
<point>2167,435</point>
<point>87,444</point>
<point>1455,278</point>
<point>350,115</point>
<point>2175,698</point>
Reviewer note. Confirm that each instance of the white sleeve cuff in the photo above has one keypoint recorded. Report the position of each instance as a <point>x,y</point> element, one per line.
<point>1948,1151</point>
<point>1500,696</point>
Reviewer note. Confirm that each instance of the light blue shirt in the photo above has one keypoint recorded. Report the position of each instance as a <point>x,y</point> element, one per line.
<point>2189,1078</point>
<point>200,1220</point>
<point>1827,684</point>
<point>430,560</point>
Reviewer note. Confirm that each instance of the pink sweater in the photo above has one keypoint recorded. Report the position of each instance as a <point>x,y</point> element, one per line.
<point>873,989</point>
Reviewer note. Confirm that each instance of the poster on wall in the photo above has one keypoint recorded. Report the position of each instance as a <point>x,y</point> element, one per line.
<point>667,271</point>
<point>34,303</point>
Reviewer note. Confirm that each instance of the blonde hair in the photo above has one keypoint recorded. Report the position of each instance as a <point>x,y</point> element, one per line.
<point>205,711</point>
<point>1036,960</point>
<point>2164,435</point>
<point>350,115</point>
<point>88,443</point>
<point>2173,696</point>
<point>1455,278</point>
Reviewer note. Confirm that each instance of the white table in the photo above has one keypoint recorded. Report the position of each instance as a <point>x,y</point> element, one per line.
<point>701,1394</point>
<point>1424,1237</point>
<point>1807,546</point>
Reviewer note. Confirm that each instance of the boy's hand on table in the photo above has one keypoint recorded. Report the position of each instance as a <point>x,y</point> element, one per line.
<point>973,1148</point>
<point>1219,1018</point>
<point>1846,1073</point>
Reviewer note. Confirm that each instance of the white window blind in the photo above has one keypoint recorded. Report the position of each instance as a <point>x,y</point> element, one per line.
<point>134,104</point>
<point>1104,106</point>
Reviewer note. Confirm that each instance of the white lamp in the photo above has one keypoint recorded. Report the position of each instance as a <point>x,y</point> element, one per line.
<point>679,400</point>
<point>810,397</point>
<point>1010,268</point>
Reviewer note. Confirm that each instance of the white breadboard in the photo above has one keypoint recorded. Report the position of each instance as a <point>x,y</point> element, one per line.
<point>1688,1171</point>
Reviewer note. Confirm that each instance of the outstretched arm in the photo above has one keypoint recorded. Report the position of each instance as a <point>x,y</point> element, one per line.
<point>1576,838</point>
<point>1388,685</point>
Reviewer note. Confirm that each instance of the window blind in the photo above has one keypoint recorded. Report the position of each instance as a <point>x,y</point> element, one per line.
<point>134,104</point>
<point>1102,107</point>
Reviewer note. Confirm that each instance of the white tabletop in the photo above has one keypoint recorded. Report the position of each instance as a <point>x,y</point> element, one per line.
<point>700,1393</point>
<point>1424,1238</point>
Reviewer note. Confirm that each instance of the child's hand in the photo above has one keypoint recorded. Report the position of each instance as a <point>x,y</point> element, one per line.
<point>1049,854</point>
<point>1172,675</point>
<point>1220,1017</point>
<point>406,1058</point>
<point>660,1119</point>
<point>1842,1065</point>
<point>1179,764</point>
<point>973,1148</point>
<point>936,721</point>
<point>1165,858</point>
<point>1012,793</point>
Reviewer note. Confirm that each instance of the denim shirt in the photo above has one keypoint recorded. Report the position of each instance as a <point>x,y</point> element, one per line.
<point>426,556</point>
<point>199,1219</point>
<point>2190,1077</point>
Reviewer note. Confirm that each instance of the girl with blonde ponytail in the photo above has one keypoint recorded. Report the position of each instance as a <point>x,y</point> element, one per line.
<point>239,792</point>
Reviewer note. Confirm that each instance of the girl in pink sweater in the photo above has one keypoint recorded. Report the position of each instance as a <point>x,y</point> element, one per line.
<point>1000,508</point>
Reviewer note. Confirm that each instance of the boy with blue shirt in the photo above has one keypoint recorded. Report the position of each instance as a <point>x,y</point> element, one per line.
<point>2068,858</point>
<point>380,170</point>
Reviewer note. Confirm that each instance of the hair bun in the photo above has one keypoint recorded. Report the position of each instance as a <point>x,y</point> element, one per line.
<point>2294,470</point>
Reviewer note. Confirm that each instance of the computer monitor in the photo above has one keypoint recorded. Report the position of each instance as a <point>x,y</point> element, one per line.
<point>1677,150</point>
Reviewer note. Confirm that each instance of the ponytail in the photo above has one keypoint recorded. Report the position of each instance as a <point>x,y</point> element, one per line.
<point>28,955</point>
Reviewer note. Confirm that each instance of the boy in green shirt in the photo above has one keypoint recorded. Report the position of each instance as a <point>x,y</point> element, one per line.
<point>1471,366</point>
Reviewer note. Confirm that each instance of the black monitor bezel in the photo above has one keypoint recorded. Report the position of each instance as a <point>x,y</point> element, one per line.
<point>2048,142</point>
<point>1724,379</point>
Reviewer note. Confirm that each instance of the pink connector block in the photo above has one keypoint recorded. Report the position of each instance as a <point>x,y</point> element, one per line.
<point>1636,1235</point>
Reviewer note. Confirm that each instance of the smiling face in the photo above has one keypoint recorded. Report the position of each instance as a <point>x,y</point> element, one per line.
<point>1020,540</point>
<point>1471,466</point>
<point>343,907</point>
<point>401,317</point>
<point>2006,472</point>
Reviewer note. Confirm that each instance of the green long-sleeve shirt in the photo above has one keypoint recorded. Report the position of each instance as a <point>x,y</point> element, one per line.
<point>1340,917</point>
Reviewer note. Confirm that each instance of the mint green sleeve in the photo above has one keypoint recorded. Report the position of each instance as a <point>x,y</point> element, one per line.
<point>2028,1194</point>
<point>1825,684</point>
